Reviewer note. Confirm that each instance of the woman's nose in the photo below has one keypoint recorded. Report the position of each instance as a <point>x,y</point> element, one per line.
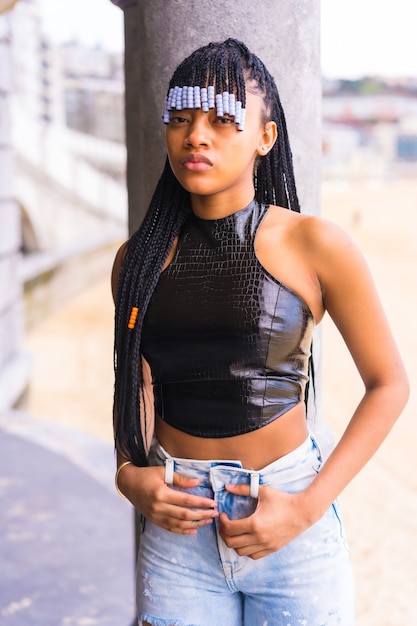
<point>198,131</point>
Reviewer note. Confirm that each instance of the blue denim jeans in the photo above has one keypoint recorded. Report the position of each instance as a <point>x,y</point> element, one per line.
<point>196,580</point>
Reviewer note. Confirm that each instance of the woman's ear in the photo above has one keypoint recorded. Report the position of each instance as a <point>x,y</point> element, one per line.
<point>268,138</point>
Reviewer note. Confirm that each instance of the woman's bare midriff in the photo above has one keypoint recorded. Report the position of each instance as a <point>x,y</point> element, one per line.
<point>255,449</point>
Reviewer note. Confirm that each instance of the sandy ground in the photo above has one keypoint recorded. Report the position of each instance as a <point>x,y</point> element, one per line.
<point>73,379</point>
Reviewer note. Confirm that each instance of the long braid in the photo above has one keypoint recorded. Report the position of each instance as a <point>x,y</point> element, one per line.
<point>228,66</point>
<point>146,254</point>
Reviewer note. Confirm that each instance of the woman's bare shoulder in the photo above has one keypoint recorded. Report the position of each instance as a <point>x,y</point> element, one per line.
<point>305,223</point>
<point>335,259</point>
<point>313,232</point>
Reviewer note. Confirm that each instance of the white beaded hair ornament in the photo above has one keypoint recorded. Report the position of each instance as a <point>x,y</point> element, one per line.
<point>210,81</point>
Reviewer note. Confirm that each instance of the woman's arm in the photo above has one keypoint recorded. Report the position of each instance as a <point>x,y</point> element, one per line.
<point>350,297</point>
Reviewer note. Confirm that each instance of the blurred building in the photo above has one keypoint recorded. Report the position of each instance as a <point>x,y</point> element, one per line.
<point>406,143</point>
<point>81,61</point>
<point>95,107</point>
<point>67,134</point>
<point>63,199</point>
<point>36,77</point>
<point>370,135</point>
<point>93,87</point>
<point>369,127</point>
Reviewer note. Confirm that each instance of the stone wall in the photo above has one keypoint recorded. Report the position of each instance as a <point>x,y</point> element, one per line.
<point>14,365</point>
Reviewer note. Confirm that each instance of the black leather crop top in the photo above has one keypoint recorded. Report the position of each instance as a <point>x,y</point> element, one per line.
<point>227,343</point>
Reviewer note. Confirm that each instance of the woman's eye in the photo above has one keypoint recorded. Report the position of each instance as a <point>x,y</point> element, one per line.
<point>177,119</point>
<point>224,120</point>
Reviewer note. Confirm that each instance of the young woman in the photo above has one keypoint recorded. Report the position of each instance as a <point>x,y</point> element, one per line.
<point>217,295</point>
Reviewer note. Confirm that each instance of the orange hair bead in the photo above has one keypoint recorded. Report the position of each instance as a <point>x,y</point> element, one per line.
<point>133,317</point>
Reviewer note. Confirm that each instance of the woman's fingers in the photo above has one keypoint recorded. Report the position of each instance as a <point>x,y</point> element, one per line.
<point>179,494</point>
<point>179,511</point>
<point>186,521</point>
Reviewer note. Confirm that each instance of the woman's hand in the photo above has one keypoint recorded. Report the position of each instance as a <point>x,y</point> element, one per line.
<point>279,518</point>
<point>174,510</point>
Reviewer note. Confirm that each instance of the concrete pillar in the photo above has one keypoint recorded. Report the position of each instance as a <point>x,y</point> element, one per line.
<point>14,365</point>
<point>283,33</point>
<point>159,34</point>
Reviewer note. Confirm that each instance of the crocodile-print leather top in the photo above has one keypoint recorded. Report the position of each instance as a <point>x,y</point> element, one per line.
<point>227,343</point>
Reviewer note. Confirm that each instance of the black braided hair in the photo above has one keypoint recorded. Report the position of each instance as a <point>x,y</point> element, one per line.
<point>230,66</point>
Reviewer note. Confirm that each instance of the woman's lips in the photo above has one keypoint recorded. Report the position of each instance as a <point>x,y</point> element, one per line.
<point>196,162</point>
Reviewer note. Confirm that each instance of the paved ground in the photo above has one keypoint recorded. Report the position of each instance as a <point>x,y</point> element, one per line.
<point>65,535</point>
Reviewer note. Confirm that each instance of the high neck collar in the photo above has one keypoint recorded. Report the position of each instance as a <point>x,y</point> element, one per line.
<point>231,216</point>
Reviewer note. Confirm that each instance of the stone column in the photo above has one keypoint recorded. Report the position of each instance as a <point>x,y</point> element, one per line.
<point>159,34</point>
<point>14,365</point>
<point>283,33</point>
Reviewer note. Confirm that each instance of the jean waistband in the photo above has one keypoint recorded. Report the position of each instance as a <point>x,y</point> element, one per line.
<point>206,471</point>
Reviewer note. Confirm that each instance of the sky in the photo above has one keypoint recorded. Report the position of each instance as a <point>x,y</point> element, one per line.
<point>363,37</point>
<point>358,37</point>
<point>90,21</point>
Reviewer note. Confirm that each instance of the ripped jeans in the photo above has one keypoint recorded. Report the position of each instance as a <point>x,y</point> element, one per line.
<point>196,580</point>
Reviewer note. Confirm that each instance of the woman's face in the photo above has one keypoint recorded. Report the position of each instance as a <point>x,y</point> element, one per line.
<point>211,158</point>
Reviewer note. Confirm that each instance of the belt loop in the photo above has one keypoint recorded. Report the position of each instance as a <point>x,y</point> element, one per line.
<point>169,472</point>
<point>254,485</point>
